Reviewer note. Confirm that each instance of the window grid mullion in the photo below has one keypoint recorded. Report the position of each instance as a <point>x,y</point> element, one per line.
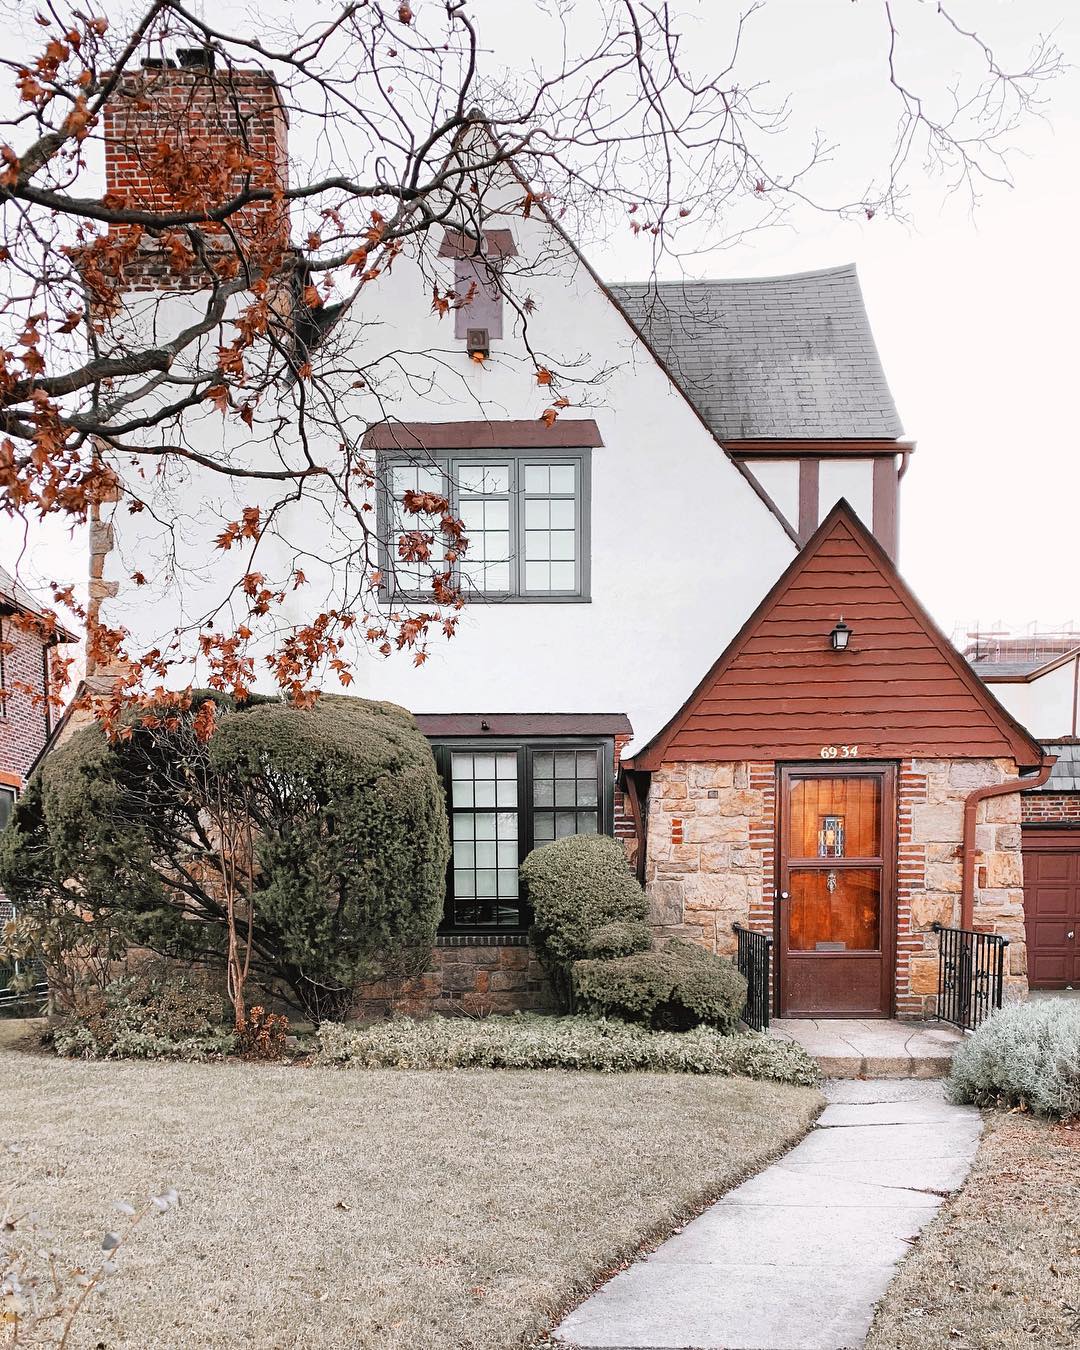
<point>449,468</point>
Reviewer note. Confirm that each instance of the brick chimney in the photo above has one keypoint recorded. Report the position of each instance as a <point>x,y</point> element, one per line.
<point>214,119</point>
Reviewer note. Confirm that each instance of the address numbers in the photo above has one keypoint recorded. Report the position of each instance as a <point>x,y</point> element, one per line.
<point>839,752</point>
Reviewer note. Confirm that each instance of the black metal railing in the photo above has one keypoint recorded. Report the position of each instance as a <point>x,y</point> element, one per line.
<point>754,958</point>
<point>971,975</point>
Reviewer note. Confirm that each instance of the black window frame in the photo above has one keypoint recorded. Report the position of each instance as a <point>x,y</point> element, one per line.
<point>446,463</point>
<point>525,747</point>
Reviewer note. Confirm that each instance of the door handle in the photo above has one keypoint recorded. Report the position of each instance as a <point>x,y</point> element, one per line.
<point>785,895</point>
<point>1071,934</point>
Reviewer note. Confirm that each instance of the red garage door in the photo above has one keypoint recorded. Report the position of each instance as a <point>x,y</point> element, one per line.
<point>1052,907</point>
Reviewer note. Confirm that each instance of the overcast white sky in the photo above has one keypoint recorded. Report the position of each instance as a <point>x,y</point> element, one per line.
<point>975,314</point>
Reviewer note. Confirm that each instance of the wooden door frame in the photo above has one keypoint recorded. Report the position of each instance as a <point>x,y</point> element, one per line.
<point>888,773</point>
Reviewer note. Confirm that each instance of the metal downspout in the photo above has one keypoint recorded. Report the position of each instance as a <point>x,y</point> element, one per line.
<point>971,808</point>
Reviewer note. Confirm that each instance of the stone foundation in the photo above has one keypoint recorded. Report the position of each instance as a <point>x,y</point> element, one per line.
<point>711,847</point>
<point>473,976</point>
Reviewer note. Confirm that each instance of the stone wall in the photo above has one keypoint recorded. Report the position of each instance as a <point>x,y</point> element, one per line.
<point>710,861</point>
<point>466,975</point>
<point>930,871</point>
<point>709,850</point>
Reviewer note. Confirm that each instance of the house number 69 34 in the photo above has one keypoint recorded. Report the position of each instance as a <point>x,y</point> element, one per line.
<point>839,752</point>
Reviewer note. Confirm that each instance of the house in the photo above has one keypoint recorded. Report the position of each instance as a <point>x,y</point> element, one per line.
<point>686,625</point>
<point>27,635</point>
<point>1037,677</point>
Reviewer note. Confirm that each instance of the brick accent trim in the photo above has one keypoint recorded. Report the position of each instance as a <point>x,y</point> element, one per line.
<point>911,790</point>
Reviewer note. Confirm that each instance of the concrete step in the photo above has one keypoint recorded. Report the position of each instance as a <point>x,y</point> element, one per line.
<point>872,1047</point>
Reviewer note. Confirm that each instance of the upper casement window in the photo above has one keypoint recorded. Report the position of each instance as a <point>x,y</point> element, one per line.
<point>526,519</point>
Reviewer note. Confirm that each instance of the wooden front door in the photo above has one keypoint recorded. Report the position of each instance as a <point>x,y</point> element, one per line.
<point>836,897</point>
<point>1052,907</point>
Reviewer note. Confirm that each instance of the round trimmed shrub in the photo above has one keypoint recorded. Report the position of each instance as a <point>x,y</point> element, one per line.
<point>348,836</point>
<point>682,985</point>
<point>577,886</point>
<point>1028,1055</point>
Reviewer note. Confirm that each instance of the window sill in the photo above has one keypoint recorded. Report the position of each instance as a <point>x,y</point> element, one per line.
<point>480,598</point>
<point>464,938</point>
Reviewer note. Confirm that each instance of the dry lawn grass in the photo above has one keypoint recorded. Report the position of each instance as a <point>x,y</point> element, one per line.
<point>999,1269</point>
<point>433,1211</point>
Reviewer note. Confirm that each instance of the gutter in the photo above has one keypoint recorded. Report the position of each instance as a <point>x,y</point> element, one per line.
<point>971,808</point>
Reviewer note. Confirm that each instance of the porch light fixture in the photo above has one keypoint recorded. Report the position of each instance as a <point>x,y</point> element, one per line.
<point>477,342</point>
<point>840,636</point>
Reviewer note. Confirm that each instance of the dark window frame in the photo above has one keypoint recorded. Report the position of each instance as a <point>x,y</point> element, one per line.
<point>5,790</point>
<point>446,462</point>
<point>525,747</point>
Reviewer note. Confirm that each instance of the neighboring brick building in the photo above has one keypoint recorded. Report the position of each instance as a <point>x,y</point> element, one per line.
<point>25,716</point>
<point>1036,675</point>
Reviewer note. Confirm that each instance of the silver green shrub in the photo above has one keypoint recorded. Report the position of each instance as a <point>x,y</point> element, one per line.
<point>152,1014</point>
<point>1028,1054</point>
<point>529,1041</point>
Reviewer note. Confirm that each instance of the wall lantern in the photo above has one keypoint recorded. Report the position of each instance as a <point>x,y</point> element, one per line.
<point>477,342</point>
<point>840,636</point>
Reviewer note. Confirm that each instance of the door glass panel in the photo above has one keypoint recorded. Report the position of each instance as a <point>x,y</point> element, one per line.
<point>835,909</point>
<point>835,818</point>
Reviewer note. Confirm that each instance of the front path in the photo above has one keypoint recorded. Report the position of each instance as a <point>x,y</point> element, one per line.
<point>796,1258</point>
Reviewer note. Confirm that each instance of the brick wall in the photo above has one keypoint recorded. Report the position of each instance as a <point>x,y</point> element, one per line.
<point>215,119</point>
<point>23,725</point>
<point>712,830</point>
<point>22,721</point>
<point>472,975</point>
<point>1045,808</point>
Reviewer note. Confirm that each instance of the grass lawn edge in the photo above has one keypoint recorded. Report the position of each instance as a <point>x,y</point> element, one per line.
<point>660,1233</point>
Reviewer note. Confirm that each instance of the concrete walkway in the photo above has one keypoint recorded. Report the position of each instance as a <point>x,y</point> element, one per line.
<point>797,1257</point>
<point>873,1047</point>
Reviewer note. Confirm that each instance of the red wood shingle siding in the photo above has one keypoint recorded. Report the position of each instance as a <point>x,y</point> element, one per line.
<point>900,690</point>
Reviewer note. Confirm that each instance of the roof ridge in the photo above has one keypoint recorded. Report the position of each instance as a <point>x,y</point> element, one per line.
<point>841,269</point>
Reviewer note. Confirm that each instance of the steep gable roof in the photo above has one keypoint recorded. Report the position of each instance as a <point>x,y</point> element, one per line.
<point>777,357</point>
<point>901,689</point>
<point>16,599</point>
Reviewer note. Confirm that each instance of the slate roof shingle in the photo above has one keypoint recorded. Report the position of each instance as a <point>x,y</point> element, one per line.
<point>1065,775</point>
<point>770,357</point>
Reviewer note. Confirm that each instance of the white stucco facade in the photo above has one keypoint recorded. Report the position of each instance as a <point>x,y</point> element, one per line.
<point>681,546</point>
<point>1045,704</point>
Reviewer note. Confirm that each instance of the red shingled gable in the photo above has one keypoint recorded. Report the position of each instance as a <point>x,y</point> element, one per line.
<point>779,692</point>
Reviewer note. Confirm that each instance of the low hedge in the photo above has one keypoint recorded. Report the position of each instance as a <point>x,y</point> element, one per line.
<point>676,987</point>
<point>154,1013</point>
<point>1026,1055</point>
<point>532,1041</point>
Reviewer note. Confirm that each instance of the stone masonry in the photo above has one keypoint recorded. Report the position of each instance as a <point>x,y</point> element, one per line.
<point>466,975</point>
<point>711,843</point>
